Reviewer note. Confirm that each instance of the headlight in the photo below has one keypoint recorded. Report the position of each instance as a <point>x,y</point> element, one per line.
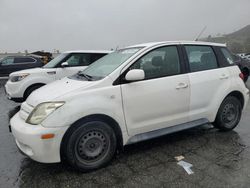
<point>42,111</point>
<point>19,77</point>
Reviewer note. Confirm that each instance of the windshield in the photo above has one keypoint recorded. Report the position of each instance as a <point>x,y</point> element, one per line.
<point>53,63</point>
<point>107,64</point>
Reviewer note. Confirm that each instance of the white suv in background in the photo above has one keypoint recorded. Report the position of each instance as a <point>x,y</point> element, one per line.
<point>133,94</point>
<point>22,83</point>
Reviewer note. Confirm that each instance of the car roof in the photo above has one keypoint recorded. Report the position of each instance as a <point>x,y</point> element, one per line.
<point>151,44</point>
<point>89,51</point>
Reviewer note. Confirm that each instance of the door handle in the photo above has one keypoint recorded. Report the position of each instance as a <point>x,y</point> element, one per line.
<point>224,76</point>
<point>181,86</point>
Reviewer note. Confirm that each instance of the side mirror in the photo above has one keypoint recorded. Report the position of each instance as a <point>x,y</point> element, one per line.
<point>135,75</point>
<point>64,64</point>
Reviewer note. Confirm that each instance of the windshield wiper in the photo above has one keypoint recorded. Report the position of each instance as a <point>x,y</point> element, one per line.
<point>88,77</point>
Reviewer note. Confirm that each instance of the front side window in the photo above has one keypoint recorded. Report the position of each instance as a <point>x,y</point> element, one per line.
<point>74,59</point>
<point>107,64</point>
<point>8,61</point>
<point>201,58</point>
<point>78,60</point>
<point>227,55</point>
<point>160,62</point>
<point>54,62</point>
<point>83,59</point>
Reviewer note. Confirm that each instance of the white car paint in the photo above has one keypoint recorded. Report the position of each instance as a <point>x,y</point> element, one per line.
<point>138,107</point>
<point>43,75</point>
<point>205,88</point>
<point>155,113</point>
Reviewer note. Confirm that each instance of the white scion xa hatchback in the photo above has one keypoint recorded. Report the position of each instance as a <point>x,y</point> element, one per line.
<point>22,83</point>
<point>130,95</point>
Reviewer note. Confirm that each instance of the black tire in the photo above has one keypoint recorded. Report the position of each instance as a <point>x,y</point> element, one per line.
<point>229,114</point>
<point>30,90</point>
<point>245,72</point>
<point>89,146</point>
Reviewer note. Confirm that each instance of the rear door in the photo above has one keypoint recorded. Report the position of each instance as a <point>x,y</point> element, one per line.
<point>162,98</point>
<point>207,79</point>
<point>24,63</point>
<point>77,62</point>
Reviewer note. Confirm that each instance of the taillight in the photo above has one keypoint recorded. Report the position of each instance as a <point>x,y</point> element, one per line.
<point>241,75</point>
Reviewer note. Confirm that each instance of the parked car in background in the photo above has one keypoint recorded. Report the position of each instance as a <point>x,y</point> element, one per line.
<point>45,56</point>
<point>22,83</point>
<point>15,63</point>
<point>242,55</point>
<point>133,94</point>
<point>247,57</point>
<point>244,66</point>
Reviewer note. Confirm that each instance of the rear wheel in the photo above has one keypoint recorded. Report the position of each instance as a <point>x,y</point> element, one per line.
<point>229,114</point>
<point>89,146</point>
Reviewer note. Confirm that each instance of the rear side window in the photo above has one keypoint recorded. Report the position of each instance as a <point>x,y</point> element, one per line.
<point>24,60</point>
<point>201,58</point>
<point>29,60</point>
<point>227,55</point>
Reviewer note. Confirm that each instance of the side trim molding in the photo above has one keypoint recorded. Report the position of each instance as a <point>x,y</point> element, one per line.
<point>167,130</point>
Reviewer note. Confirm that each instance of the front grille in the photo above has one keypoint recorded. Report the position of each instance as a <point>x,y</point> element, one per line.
<point>25,110</point>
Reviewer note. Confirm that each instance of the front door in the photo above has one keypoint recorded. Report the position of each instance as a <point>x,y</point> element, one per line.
<point>162,98</point>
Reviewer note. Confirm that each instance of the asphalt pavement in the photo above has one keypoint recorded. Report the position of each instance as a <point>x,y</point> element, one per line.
<point>219,160</point>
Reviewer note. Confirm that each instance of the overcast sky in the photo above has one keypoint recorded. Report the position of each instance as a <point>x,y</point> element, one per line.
<point>106,24</point>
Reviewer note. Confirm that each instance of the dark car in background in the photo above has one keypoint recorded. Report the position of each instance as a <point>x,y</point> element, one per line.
<point>15,63</point>
<point>244,66</point>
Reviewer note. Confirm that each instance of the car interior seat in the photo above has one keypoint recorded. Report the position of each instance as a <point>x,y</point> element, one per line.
<point>171,64</point>
<point>208,61</point>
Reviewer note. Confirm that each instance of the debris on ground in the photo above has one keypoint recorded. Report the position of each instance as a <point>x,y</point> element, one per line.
<point>179,158</point>
<point>187,166</point>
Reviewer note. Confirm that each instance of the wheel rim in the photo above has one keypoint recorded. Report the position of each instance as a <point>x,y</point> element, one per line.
<point>230,114</point>
<point>91,147</point>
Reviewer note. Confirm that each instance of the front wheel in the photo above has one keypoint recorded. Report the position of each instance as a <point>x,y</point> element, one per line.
<point>30,90</point>
<point>90,146</point>
<point>229,114</point>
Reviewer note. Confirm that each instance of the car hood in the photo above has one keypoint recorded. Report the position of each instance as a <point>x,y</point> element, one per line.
<point>33,71</point>
<point>54,90</point>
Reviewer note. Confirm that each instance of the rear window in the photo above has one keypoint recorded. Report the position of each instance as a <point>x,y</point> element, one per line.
<point>201,58</point>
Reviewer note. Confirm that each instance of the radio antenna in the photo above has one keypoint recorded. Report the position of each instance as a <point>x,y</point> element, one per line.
<point>202,31</point>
